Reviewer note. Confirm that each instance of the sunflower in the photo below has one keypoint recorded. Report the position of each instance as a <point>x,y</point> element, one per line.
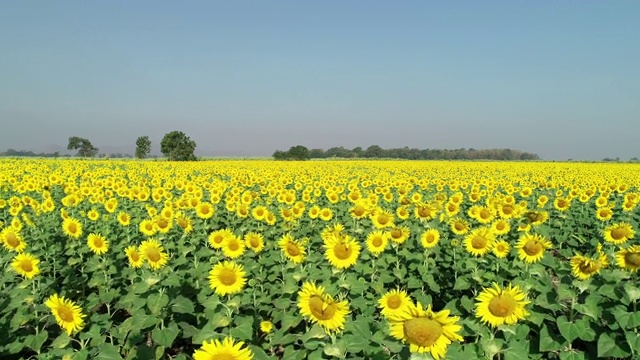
<point>426,331</point>
<point>629,258</point>
<point>331,231</point>
<point>321,308</point>
<point>394,302</point>
<point>562,204</point>
<point>26,265</point>
<point>68,315</point>
<point>342,252</point>
<point>292,249</point>
<point>425,212</point>
<point>254,241</point>
<point>399,234</point>
<point>266,326</point>
<point>226,349</point>
<point>326,214</point>
<point>359,210</point>
<point>12,240</point>
<point>531,247</point>
<point>97,243</point>
<point>153,252</point>
<point>124,219</point>
<point>93,215</point>
<point>619,233</point>
<point>479,241</point>
<point>584,267</point>
<point>163,224</point>
<point>497,306</point>
<point>430,238</point>
<point>259,213</point>
<point>72,227</point>
<point>500,227</point>
<point>382,219</point>
<point>227,278</point>
<point>147,227</point>
<point>184,222</point>
<point>233,247</point>
<point>377,242</point>
<point>459,226</point>
<point>484,215</point>
<point>204,210</point>
<point>501,249</point>
<point>218,237</point>
<point>604,213</point>
<point>134,256</point>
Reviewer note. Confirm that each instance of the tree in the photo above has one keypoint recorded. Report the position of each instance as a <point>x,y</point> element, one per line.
<point>374,151</point>
<point>84,146</point>
<point>298,152</point>
<point>178,146</point>
<point>143,147</point>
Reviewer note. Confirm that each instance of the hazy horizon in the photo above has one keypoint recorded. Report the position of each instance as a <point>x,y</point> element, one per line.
<point>559,79</point>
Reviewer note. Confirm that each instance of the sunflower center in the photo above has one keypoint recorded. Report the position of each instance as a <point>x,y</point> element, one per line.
<point>507,210</point>
<point>97,242</point>
<point>225,356</point>
<point>204,210</point>
<point>342,251</point>
<point>532,247</point>
<point>394,302</point>
<point>479,242</point>
<point>135,256</point>
<point>65,314</point>
<point>227,277</point>
<point>632,258</point>
<point>383,219</point>
<point>358,211</point>
<point>500,226</point>
<point>26,266</point>
<point>73,228</point>
<point>502,305</point>
<point>430,238</point>
<point>254,242</point>
<point>162,223</point>
<point>376,241</point>
<point>233,246</point>
<point>423,212</point>
<point>320,309</point>
<point>12,240</point>
<point>153,254</point>
<point>588,267</point>
<point>501,248</point>
<point>618,233</point>
<point>218,239</point>
<point>484,214</point>
<point>459,226</point>
<point>292,249</point>
<point>422,331</point>
<point>396,233</point>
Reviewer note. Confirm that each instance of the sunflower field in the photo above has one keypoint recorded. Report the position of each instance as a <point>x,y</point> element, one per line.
<point>318,260</point>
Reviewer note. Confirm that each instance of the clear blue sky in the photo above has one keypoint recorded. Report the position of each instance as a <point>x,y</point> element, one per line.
<point>558,78</point>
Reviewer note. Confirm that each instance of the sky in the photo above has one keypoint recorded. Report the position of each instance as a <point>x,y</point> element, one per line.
<point>243,78</point>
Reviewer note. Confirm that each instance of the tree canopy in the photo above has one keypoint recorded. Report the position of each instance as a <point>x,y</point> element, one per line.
<point>84,146</point>
<point>143,147</point>
<point>297,152</point>
<point>177,146</point>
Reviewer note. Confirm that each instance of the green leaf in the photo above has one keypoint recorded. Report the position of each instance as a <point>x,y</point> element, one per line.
<point>289,321</point>
<point>462,283</point>
<point>609,347</point>
<point>258,353</point>
<point>633,340</point>
<point>166,336</point>
<point>37,340</point>
<point>590,308</point>
<point>182,305</point>
<point>61,341</point>
<point>632,291</point>
<point>548,340</point>
<point>243,329</point>
<point>568,330</point>
<point>157,302</point>
<point>517,350</point>
<point>574,355</point>
<point>108,351</point>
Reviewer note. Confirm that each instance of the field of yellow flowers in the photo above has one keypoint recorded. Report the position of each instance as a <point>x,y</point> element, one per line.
<point>318,260</point>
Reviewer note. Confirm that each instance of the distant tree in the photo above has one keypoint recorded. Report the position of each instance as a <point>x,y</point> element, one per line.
<point>280,155</point>
<point>374,151</point>
<point>357,151</point>
<point>84,146</point>
<point>316,154</point>
<point>143,147</point>
<point>177,146</point>
<point>298,152</point>
<point>634,159</point>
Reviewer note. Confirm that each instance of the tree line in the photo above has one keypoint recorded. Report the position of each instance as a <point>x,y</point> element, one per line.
<point>300,152</point>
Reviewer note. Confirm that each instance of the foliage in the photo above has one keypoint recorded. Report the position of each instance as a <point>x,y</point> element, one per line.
<point>176,145</point>
<point>297,152</point>
<point>84,146</point>
<point>145,313</point>
<point>143,147</point>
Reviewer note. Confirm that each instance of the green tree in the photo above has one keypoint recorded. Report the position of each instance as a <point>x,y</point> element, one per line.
<point>143,147</point>
<point>178,146</point>
<point>298,152</point>
<point>84,146</point>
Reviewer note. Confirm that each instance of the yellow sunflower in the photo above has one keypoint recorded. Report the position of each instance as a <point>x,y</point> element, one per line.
<point>233,247</point>
<point>479,241</point>
<point>254,241</point>
<point>583,267</point>
<point>218,238</point>
<point>501,249</point>
<point>124,219</point>
<point>342,252</point>
<point>399,234</point>
<point>320,307</point>
<point>93,215</point>
<point>629,258</point>
<point>382,219</point>
<point>226,349</point>
<point>531,247</point>
<point>619,233</point>
<point>148,227</point>
<point>430,238</point>
<point>153,252</point>
<point>500,227</point>
<point>292,249</point>
<point>459,226</point>
<point>204,210</point>
<point>497,306</point>
<point>266,326</point>
<point>377,242</point>
<point>68,315</point>
<point>426,331</point>
<point>72,227</point>
<point>135,258</point>
<point>97,243</point>
<point>227,277</point>
<point>604,213</point>
<point>394,302</point>
<point>12,240</point>
<point>26,265</point>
